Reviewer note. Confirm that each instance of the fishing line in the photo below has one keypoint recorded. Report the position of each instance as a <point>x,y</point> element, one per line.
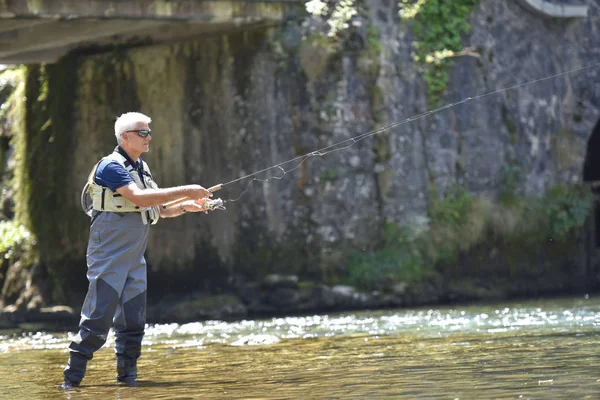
<point>347,143</point>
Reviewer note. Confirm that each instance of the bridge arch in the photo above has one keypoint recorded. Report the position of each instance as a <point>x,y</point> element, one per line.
<point>552,9</point>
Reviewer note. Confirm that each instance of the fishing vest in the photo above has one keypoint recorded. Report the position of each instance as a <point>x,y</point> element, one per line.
<point>104,199</point>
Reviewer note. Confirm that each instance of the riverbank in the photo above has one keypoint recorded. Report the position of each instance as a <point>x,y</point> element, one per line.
<point>282,295</point>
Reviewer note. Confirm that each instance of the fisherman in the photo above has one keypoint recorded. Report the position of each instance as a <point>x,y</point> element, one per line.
<point>123,202</point>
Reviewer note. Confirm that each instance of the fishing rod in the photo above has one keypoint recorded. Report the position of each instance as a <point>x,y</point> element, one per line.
<point>347,143</point>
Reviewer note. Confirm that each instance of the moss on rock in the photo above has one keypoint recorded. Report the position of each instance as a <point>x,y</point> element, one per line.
<point>475,238</point>
<point>316,52</point>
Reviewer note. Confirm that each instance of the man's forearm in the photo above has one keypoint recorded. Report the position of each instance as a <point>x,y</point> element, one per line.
<point>157,197</point>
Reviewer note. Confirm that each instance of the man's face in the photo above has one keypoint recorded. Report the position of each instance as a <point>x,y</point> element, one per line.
<point>135,141</point>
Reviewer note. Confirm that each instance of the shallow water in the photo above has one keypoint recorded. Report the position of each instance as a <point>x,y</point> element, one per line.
<point>529,350</point>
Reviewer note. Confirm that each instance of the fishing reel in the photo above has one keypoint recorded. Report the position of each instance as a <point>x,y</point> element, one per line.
<point>214,204</point>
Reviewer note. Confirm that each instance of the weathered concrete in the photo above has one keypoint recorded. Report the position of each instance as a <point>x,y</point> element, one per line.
<point>553,9</point>
<point>45,30</point>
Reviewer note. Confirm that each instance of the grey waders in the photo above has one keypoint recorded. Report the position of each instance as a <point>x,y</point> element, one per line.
<point>116,294</point>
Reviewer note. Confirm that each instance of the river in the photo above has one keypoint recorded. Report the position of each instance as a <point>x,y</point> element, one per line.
<point>543,349</point>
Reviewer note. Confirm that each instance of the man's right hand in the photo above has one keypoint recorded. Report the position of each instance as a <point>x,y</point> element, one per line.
<point>198,192</point>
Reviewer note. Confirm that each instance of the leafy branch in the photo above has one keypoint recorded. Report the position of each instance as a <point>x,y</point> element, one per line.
<point>438,25</point>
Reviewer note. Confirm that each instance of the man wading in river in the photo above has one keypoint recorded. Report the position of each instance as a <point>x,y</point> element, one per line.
<point>123,201</point>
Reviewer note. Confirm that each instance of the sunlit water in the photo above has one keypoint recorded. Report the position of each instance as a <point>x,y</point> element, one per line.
<point>528,350</point>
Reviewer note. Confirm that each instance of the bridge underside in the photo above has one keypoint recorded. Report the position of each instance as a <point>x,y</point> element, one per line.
<point>35,31</point>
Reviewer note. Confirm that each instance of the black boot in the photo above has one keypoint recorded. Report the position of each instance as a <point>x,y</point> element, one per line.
<point>126,370</point>
<point>75,370</point>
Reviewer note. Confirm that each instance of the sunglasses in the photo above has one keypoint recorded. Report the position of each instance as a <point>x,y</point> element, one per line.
<point>142,132</point>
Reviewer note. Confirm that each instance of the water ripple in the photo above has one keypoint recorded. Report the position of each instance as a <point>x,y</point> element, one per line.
<point>540,317</point>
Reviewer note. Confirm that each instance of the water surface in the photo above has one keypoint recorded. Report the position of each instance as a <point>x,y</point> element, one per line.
<point>527,350</point>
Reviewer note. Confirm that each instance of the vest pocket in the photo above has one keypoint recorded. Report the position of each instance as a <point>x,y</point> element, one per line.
<point>119,202</point>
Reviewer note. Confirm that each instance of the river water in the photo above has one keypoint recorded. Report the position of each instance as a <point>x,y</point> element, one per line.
<point>546,349</point>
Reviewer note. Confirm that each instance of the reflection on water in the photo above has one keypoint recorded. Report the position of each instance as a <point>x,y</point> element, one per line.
<point>537,350</point>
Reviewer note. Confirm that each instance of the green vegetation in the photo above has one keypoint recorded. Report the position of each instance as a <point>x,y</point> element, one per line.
<point>10,79</point>
<point>315,52</point>
<point>461,223</point>
<point>16,242</point>
<point>375,46</point>
<point>319,47</point>
<point>39,115</point>
<point>438,26</point>
<point>11,98</point>
<point>561,211</point>
<point>14,109</point>
<point>512,178</point>
<point>17,247</point>
<point>369,61</point>
<point>45,152</point>
<point>397,259</point>
<point>337,14</point>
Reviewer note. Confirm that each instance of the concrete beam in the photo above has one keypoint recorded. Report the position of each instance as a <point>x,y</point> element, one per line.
<point>36,57</point>
<point>9,25</point>
<point>551,9</point>
<point>44,30</point>
<point>182,10</point>
<point>160,33</point>
<point>61,34</point>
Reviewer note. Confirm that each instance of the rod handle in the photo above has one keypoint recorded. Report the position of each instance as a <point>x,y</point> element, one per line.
<point>213,189</point>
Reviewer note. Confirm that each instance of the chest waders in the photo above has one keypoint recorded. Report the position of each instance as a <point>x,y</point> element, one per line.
<point>116,293</point>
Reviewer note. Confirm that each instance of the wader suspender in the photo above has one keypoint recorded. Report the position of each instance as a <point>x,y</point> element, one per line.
<point>141,166</point>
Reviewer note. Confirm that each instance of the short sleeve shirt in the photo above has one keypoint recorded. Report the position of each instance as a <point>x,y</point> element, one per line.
<point>112,175</point>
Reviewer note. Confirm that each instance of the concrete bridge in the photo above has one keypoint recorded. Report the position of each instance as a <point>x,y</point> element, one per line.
<point>34,31</point>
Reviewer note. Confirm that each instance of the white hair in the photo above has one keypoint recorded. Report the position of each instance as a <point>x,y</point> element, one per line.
<point>129,121</point>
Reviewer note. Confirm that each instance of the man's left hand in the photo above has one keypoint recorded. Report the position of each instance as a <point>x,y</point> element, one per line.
<point>195,205</point>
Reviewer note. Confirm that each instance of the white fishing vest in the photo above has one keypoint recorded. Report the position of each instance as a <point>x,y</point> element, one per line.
<point>104,199</point>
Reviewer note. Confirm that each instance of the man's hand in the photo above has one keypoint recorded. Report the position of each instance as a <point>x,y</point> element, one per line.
<point>195,205</point>
<point>198,192</point>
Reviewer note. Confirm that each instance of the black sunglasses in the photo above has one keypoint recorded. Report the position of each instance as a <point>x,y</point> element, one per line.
<point>142,132</point>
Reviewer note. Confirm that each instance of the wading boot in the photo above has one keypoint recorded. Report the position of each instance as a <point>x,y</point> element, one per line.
<point>74,371</point>
<point>67,384</point>
<point>126,371</point>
